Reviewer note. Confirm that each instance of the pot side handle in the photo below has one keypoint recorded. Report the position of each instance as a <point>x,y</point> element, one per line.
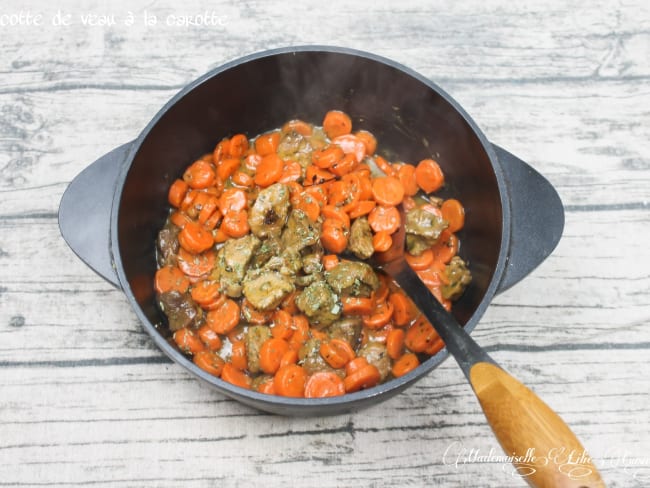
<point>85,212</point>
<point>537,218</point>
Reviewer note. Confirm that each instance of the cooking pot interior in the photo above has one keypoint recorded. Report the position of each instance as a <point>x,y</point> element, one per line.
<point>410,119</point>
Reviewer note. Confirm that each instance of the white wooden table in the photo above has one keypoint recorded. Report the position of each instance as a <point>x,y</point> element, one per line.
<point>87,400</point>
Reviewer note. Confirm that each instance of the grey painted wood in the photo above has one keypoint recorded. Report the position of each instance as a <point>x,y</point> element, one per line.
<point>85,397</point>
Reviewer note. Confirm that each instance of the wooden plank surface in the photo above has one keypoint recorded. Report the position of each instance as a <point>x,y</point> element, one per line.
<point>86,399</point>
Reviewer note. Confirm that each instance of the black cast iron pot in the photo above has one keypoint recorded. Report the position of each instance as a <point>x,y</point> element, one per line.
<point>111,213</point>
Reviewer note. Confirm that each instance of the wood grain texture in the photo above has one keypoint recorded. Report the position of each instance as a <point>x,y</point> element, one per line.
<point>87,400</point>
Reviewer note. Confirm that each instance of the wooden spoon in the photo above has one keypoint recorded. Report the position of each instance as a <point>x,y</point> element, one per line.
<point>544,450</point>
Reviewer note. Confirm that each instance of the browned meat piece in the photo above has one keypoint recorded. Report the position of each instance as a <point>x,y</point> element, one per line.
<point>458,276</point>
<point>255,336</point>
<point>269,212</point>
<point>375,353</point>
<point>180,309</point>
<point>353,278</point>
<point>360,243</point>
<point>319,303</point>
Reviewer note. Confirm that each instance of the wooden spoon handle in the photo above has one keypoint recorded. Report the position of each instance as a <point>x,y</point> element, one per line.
<point>548,453</point>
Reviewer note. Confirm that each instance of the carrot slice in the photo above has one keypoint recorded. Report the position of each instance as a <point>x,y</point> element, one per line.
<point>221,150</point>
<point>289,303</point>
<point>267,143</point>
<point>420,335</point>
<point>289,357</point>
<point>330,261</point>
<point>269,170</point>
<point>337,353</point>
<point>407,363</point>
<point>194,238</point>
<point>334,236</point>
<point>387,191</point>
<point>235,223</point>
<point>366,377</point>
<point>395,343</point>
<point>243,179</point>
<point>324,384</point>
<point>225,318</point>
<point>290,381</point>
<point>205,292</point>
<point>406,174</point>
<point>282,326</point>
<point>292,171</point>
<point>423,261</point>
<point>170,278</point>
<point>235,377</point>
<point>308,204</point>
<point>429,176</point>
<point>187,341</point>
<point>327,157</point>
<point>368,140</point>
<point>344,165</point>
<point>300,332</point>
<point>332,212</point>
<point>238,145</point>
<point>446,247</point>
<point>177,192</point>
<point>200,174</point>
<point>357,305</point>
<point>210,338</point>
<point>210,362</point>
<point>382,241</point>
<point>351,144</point>
<point>386,219</point>
<point>196,264</point>
<point>252,315</point>
<point>384,166</point>
<point>404,311</point>
<point>454,213</point>
<point>359,209</point>
<point>380,317</point>
<point>252,161</point>
<point>238,356</point>
<point>298,126</point>
<point>336,123</point>
<point>271,354</point>
<point>227,167</point>
<point>317,176</point>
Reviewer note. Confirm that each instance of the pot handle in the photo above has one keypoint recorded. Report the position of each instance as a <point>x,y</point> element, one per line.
<point>85,212</point>
<point>537,218</point>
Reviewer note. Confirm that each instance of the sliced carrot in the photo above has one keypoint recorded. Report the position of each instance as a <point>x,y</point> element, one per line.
<point>324,384</point>
<point>205,292</point>
<point>344,193</point>
<point>179,218</point>
<point>290,381</point>
<point>243,179</point>
<point>366,377</point>
<point>406,174</point>
<point>423,261</point>
<point>170,278</point>
<point>300,332</point>
<point>221,150</point>
<point>337,353</point>
<point>381,315</point>
<point>196,264</point>
<point>386,219</point>
<point>252,161</point>
<point>351,144</point>
<point>429,176</point>
<point>238,145</point>
<point>330,261</point>
<point>435,346</point>
<point>200,174</point>
<point>407,363</point>
<point>235,223</point>
<point>238,356</point>
<point>420,335</point>
<point>368,140</point>
<point>289,303</point>
<point>361,208</point>
<point>210,338</point>
<point>404,311</point>
<point>271,354</point>
<point>381,295</point>
<point>194,238</point>
<point>227,167</point>
<point>235,377</point>
<point>382,241</point>
<point>326,157</point>
<point>220,236</point>
<point>387,191</point>
<point>344,165</point>
<point>210,362</point>
<point>266,387</point>
<point>334,236</point>
<point>269,170</point>
<point>225,318</point>
<point>408,203</point>
<point>395,343</point>
<point>308,204</point>
<point>336,123</point>
<point>317,176</point>
<point>291,171</point>
<point>289,357</point>
<point>384,166</point>
<point>454,213</point>
<point>210,206</point>
<point>233,199</point>
<point>252,315</point>
<point>282,325</point>
<point>187,341</point>
<point>332,212</point>
<point>446,247</point>
<point>357,305</point>
<point>298,126</point>
<point>177,192</point>
<point>267,143</point>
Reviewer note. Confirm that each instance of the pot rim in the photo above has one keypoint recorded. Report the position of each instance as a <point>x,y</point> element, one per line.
<point>308,404</point>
